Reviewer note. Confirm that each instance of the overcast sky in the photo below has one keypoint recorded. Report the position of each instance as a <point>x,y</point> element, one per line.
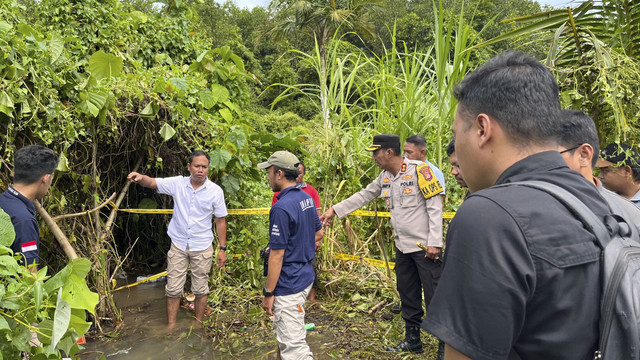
<point>252,3</point>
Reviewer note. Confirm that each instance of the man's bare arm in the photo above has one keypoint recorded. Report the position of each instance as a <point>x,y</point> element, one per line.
<point>142,180</point>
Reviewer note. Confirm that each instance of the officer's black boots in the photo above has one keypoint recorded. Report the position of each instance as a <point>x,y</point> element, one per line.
<point>440,355</point>
<point>411,342</point>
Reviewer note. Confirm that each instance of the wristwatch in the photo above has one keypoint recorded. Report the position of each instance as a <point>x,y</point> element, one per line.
<point>267,293</point>
<point>223,248</point>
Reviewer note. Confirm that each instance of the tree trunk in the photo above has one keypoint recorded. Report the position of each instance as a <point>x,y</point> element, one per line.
<point>323,86</point>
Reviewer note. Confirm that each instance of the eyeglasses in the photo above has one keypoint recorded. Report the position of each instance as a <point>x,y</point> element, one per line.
<point>570,149</point>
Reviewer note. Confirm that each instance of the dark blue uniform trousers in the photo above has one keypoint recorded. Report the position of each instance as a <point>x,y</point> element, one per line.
<point>416,274</point>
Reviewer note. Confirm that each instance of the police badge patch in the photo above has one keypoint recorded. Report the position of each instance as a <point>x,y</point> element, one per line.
<point>429,184</point>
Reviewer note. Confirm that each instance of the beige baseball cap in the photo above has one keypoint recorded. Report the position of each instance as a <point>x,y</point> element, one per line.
<point>281,159</point>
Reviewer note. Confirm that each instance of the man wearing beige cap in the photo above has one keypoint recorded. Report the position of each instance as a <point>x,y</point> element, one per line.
<point>294,228</point>
<point>409,189</point>
<point>619,166</point>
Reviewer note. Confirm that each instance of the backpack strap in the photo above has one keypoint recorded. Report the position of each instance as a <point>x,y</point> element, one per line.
<point>590,221</point>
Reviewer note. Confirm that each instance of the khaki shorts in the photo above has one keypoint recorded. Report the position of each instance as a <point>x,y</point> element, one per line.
<point>288,323</point>
<point>177,263</point>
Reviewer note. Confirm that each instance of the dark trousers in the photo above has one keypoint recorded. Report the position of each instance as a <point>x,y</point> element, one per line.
<point>414,274</point>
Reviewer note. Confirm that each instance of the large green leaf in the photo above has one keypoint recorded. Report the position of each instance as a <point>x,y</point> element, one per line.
<point>207,99</point>
<point>219,158</point>
<point>7,234</point>
<point>74,287</point>
<point>93,101</point>
<point>104,65</point>
<point>63,164</point>
<point>56,46</point>
<point>230,184</point>
<point>167,131</point>
<point>4,325</point>
<point>61,319</point>
<point>5,27</point>
<point>6,104</point>
<point>219,92</point>
<point>180,83</point>
<point>8,266</point>
<point>238,138</point>
<point>226,114</point>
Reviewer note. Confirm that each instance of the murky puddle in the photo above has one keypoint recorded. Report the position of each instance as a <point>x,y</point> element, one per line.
<point>146,336</point>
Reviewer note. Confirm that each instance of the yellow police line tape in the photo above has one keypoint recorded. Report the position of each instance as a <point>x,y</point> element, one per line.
<point>339,256</point>
<point>264,211</point>
<point>374,262</point>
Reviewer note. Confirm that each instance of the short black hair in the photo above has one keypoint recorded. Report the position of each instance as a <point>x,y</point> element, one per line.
<point>32,162</point>
<point>519,92</point>
<point>636,172</point>
<point>290,175</point>
<point>579,128</point>
<point>199,153</point>
<point>417,140</point>
<point>451,148</point>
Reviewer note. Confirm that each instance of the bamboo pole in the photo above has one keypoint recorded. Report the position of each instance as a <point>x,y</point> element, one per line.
<point>57,232</point>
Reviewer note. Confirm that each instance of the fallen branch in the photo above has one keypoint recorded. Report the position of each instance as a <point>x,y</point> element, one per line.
<point>114,212</point>
<point>57,233</point>
<point>66,216</point>
<point>376,306</point>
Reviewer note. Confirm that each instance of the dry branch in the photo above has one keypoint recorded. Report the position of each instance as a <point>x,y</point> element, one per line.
<point>376,306</point>
<point>55,229</point>
<point>61,217</point>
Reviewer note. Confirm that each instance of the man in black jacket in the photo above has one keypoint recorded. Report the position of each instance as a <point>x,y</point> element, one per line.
<point>522,274</point>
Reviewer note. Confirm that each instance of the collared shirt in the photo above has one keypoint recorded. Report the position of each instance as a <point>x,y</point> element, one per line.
<point>293,223</point>
<point>310,190</point>
<point>521,278</point>
<point>439,175</point>
<point>191,223</point>
<point>414,218</point>
<point>636,199</point>
<point>22,213</point>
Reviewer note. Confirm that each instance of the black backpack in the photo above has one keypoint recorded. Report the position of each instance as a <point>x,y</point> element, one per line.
<point>620,269</point>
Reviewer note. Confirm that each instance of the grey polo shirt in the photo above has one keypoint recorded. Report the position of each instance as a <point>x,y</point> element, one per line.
<point>522,275</point>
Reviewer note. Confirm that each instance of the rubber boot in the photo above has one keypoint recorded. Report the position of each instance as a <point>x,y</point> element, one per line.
<point>440,354</point>
<point>411,342</point>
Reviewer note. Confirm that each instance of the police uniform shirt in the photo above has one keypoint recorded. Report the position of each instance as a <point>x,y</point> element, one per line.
<point>414,218</point>
<point>293,223</point>
<point>22,213</point>
<point>522,275</point>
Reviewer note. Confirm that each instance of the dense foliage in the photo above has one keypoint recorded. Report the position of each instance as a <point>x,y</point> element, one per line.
<point>38,306</point>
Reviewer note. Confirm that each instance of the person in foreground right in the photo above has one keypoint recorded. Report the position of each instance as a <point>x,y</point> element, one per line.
<point>522,275</point>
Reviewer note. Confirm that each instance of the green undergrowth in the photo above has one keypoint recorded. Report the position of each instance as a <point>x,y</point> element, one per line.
<point>345,326</point>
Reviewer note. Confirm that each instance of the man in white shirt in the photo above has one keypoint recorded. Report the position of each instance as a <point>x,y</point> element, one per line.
<point>196,200</point>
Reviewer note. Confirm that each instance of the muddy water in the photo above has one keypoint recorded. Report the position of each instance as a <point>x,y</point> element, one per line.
<point>146,335</point>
